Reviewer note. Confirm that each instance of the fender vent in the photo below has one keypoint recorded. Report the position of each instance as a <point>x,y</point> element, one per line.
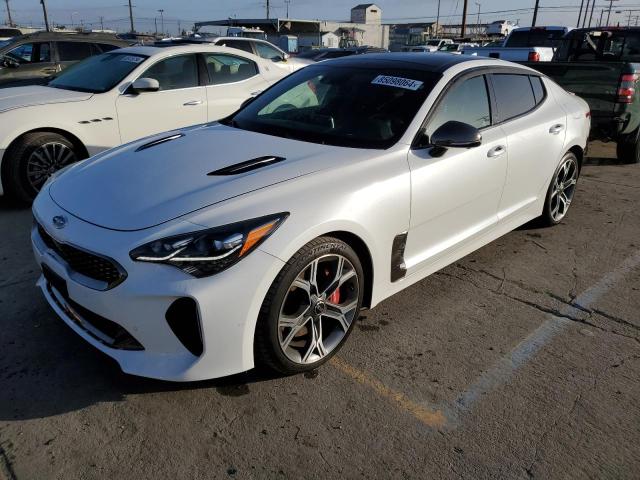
<point>247,166</point>
<point>159,141</point>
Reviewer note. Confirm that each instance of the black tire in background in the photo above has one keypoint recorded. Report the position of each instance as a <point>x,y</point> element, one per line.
<point>628,148</point>
<point>17,165</point>
<point>267,346</point>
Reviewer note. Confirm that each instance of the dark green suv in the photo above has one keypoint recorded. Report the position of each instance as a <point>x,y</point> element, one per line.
<point>33,59</point>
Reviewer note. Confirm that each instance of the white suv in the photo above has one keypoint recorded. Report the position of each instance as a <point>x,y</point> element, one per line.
<point>264,49</point>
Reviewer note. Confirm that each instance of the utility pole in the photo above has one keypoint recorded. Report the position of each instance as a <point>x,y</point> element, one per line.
<point>287,2</point>
<point>600,21</point>
<point>101,23</point>
<point>133,30</point>
<point>609,12</point>
<point>478,20</point>
<point>162,20</point>
<point>155,22</point>
<point>438,19</point>
<point>463,30</point>
<point>586,14</point>
<point>580,12</point>
<point>535,13</point>
<point>593,6</point>
<point>46,18</point>
<point>268,10</point>
<point>11,24</point>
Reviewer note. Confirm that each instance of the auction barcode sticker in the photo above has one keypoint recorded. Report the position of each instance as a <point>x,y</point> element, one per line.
<point>131,59</point>
<point>399,82</point>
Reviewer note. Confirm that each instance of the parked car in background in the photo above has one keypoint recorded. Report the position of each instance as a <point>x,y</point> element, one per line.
<point>118,97</point>
<point>261,48</point>
<point>500,28</point>
<point>202,252</point>
<point>432,45</point>
<point>35,58</point>
<point>321,54</point>
<point>533,44</point>
<point>602,66</point>
<point>7,33</point>
<point>456,48</point>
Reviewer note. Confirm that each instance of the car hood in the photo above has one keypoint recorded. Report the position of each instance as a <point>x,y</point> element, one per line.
<point>151,181</point>
<point>17,97</point>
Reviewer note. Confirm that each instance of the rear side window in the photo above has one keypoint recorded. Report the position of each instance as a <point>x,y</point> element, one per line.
<point>466,102</point>
<point>514,95</point>
<point>73,51</point>
<point>228,68</point>
<point>538,89</point>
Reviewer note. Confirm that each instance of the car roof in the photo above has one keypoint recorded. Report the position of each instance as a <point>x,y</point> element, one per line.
<point>433,62</point>
<point>72,36</point>
<point>185,48</point>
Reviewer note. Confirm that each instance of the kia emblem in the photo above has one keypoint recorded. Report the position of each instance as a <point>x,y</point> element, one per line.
<point>59,221</point>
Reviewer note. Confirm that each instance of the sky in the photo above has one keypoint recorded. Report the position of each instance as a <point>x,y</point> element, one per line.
<point>184,13</point>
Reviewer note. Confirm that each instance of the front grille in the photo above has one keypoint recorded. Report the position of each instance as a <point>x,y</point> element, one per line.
<point>86,263</point>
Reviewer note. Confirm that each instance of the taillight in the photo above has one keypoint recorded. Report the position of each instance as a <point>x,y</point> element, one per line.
<point>627,88</point>
<point>534,57</point>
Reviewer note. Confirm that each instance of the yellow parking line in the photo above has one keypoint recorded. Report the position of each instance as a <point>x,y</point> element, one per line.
<point>431,418</point>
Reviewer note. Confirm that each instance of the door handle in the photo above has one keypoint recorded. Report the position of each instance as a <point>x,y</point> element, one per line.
<point>50,70</point>
<point>497,151</point>
<point>257,92</point>
<point>193,103</point>
<point>556,129</point>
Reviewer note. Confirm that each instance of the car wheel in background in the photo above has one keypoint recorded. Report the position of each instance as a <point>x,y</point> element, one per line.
<point>628,148</point>
<point>311,307</point>
<point>561,191</point>
<point>31,160</point>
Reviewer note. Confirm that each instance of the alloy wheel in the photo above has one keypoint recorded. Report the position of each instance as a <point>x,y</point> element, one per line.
<point>564,186</point>
<point>47,159</point>
<point>318,310</point>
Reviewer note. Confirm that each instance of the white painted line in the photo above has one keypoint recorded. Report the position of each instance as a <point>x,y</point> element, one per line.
<point>519,356</point>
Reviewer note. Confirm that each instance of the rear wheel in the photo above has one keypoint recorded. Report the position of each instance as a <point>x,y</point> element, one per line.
<point>628,148</point>
<point>311,307</point>
<point>31,160</point>
<point>561,191</point>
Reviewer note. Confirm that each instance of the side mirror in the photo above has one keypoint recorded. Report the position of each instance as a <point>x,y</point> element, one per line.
<point>145,85</point>
<point>456,135</point>
<point>9,63</point>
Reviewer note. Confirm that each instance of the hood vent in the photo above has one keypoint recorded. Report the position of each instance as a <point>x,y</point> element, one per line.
<point>159,141</point>
<point>247,166</point>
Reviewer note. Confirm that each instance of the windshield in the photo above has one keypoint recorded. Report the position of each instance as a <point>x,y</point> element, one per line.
<point>433,43</point>
<point>449,48</point>
<point>338,105</point>
<point>534,38</point>
<point>98,74</point>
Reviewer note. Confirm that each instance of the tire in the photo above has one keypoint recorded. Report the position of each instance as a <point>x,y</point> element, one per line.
<point>285,301</point>
<point>628,148</point>
<point>566,180</point>
<point>29,152</point>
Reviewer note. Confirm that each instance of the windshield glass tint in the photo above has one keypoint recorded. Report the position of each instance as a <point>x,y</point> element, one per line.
<point>98,74</point>
<point>337,105</point>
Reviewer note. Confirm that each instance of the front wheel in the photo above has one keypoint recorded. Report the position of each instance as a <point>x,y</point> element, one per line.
<point>311,307</point>
<point>32,160</point>
<point>561,191</point>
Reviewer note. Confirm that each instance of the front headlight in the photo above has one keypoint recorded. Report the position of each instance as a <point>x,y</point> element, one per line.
<point>207,252</point>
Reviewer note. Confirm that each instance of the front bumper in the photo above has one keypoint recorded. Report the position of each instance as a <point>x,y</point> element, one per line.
<point>227,303</point>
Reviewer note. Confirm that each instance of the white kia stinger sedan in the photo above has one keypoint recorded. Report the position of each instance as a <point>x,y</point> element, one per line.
<point>201,252</point>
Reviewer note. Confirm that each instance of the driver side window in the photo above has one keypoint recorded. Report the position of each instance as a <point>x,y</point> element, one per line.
<point>175,72</point>
<point>466,102</point>
<point>31,53</point>
<point>268,52</point>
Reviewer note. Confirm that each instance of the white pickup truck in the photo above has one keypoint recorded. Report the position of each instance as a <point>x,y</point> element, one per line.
<point>431,45</point>
<point>525,44</point>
